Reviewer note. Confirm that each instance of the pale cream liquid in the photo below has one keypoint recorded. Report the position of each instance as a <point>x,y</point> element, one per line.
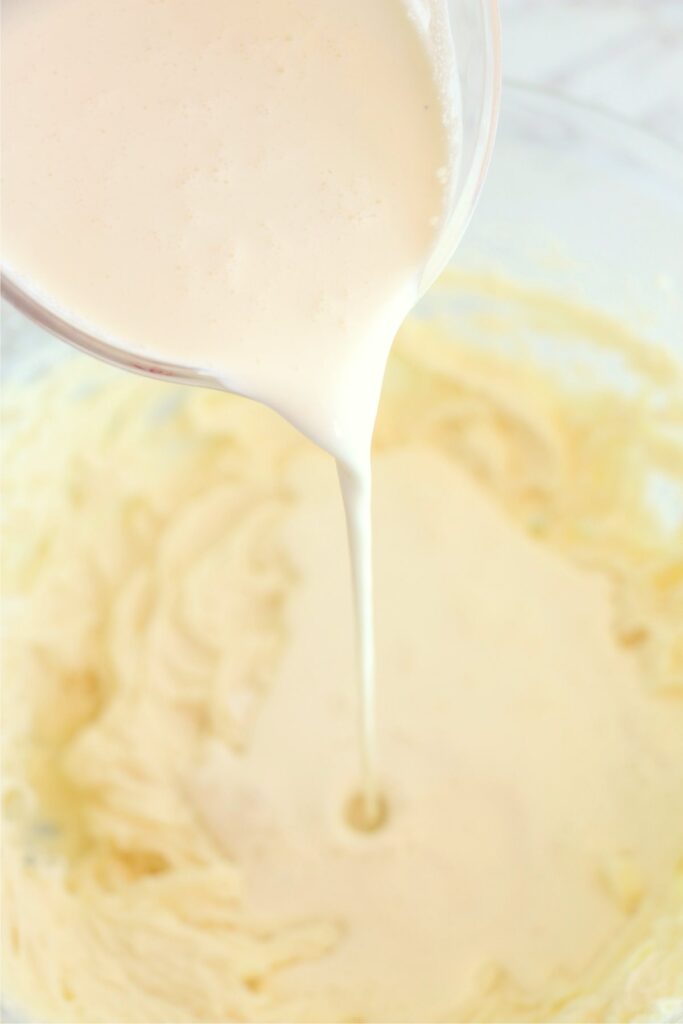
<point>252,189</point>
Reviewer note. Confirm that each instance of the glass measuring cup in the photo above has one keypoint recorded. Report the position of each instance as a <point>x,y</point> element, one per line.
<point>475,32</point>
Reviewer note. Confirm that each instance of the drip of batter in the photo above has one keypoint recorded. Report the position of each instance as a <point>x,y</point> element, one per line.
<point>165,159</point>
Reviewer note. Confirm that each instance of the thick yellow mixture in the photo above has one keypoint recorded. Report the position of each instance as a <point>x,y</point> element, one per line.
<point>180,722</point>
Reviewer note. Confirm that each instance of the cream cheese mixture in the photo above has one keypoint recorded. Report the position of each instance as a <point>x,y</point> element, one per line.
<point>182,735</point>
<point>254,190</point>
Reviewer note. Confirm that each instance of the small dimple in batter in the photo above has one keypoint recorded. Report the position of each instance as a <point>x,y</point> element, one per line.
<point>181,747</point>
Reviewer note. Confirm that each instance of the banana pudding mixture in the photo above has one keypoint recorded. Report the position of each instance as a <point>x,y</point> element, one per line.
<point>180,758</point>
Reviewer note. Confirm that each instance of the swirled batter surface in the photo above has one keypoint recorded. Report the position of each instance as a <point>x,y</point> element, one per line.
<point>180,726</point>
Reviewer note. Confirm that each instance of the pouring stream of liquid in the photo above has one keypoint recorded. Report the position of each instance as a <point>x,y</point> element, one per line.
<point>251,189</point>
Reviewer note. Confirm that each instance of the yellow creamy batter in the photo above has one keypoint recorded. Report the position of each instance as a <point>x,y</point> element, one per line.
<point>180,721</point>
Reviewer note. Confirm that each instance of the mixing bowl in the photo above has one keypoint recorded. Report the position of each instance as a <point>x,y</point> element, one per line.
<point>577,203</point>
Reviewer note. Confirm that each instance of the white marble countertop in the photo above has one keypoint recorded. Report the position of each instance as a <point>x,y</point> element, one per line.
<point>623,55</point>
